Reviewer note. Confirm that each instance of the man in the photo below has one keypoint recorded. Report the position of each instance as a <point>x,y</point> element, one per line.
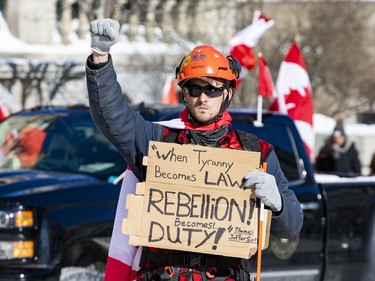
<point>338,155</point>
<point>207,79</point>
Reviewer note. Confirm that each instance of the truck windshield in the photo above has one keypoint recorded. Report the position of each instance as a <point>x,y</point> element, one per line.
<point>57,142</point>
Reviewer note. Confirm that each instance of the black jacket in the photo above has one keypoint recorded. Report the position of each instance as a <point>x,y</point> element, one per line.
<point>338,160</point>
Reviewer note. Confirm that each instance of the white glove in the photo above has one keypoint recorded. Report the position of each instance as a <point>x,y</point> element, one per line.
<point>265,189</point>
<point>104,34</point>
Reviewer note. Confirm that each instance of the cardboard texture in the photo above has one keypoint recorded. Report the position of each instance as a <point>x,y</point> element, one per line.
<point>192,201</point>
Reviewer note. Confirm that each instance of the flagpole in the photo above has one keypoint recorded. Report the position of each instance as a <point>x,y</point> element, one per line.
<point>260,239</point>
<point>260,232</point>
<point>119,178</point>
<point>258,122</point>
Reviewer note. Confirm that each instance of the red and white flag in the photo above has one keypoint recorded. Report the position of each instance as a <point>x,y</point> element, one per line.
<point>169,94</point>
<point>265,83</point>
<point>123,258</point>
<point>241,45</point>
<point>295,95</point>
<point>266,87</point>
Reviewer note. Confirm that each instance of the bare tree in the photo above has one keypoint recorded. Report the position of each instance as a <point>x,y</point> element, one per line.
<point>337,58</point>
<point>38,77</point>
<point>116,9</point>
<point>336,46</point>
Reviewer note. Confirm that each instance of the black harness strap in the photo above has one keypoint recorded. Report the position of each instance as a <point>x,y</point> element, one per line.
<point>248,141</point>
<point>171,136</point>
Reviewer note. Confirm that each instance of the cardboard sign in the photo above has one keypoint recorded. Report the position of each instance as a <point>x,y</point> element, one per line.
<point>194,165</point>
<point>192,201</point>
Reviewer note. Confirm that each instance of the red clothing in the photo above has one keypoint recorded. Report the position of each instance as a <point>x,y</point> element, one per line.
<point>30,143</point>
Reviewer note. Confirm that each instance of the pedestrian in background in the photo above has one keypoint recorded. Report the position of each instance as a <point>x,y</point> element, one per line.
<point>339,154</point>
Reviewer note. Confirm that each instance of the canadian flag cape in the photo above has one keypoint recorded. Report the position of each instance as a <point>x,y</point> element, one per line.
<point>295,96</point>
<point>123,259</point>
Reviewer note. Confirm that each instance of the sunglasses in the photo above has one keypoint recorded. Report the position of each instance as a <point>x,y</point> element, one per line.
<point>210,91</point>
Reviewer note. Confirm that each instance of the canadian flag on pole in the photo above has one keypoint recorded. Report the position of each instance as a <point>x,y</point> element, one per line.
<point>169,94</point>
<point>266,87</point>
<point>295,95</point>
<point>265,84</point>
<point>241,45</point>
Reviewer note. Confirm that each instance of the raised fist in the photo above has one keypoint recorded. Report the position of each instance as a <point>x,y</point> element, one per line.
<point>104,34</point>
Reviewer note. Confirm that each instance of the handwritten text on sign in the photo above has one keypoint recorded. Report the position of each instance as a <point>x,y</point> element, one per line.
<point>214,221</point>
<point>186,211</point>
<point>192,201</point>
<point>198,166</point>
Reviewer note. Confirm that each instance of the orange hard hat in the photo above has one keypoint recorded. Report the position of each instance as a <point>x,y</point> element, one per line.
<point>206,61</point>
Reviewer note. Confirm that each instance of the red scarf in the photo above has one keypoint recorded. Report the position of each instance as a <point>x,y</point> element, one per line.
<point>228,141</point>
<point>224,119</point>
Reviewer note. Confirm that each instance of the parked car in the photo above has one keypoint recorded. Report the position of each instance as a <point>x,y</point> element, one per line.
<point>57,208</point>
<point>56,215</point>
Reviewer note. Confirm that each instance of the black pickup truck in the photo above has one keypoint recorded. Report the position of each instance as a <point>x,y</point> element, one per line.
<point>58,200</point>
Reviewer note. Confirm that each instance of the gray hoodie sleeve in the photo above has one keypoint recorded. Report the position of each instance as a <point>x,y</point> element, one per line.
<point>123,127</point>
<point>289,221</point>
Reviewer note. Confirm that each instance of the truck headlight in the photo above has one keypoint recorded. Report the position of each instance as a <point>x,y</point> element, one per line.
<point>16,219</point>
<point>16,249</point>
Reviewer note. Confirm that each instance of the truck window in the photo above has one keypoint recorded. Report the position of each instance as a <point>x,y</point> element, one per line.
<point>281,138</point>
<point>58,142</point>
<point>74,144</point>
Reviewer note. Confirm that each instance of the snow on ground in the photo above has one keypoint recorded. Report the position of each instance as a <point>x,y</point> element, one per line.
<point>325,178</point>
